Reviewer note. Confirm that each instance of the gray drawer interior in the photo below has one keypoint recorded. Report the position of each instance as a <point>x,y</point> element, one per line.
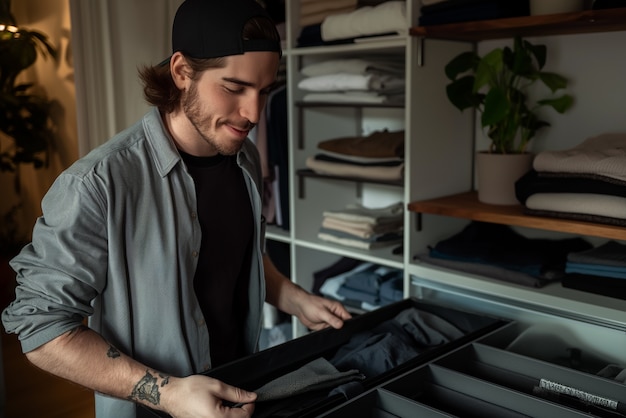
<point>484,379</point>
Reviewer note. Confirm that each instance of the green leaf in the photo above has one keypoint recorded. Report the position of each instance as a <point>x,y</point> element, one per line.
<point>496,107</point>
<point>560,104</point>
<point>553,81</point>
<point>488,68</point>
<point>460,64</point>
<point>460,93</point>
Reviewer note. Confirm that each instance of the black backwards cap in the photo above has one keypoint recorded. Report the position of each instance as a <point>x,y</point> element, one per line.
<point>214,28</point>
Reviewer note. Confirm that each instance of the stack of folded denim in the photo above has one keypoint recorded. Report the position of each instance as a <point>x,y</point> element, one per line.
<point>366,286</point>
<point>600,270</point>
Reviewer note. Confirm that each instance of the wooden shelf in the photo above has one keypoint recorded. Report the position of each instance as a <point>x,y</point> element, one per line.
<point>467,206</point>
<point>588,21</point>
<point>304,104</point>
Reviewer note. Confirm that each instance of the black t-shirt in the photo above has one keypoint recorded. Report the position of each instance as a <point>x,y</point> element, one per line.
<point>222,277</point>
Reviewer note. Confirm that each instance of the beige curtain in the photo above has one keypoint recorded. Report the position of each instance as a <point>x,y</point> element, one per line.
<point>111,40</point>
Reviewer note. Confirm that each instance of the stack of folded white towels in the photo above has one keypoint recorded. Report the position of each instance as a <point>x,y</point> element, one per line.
<point>376,79</point>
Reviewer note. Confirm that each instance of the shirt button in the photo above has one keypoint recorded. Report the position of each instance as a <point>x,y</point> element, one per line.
<point>193,215</point>
<point>194,254</point>
<point>201,322</point>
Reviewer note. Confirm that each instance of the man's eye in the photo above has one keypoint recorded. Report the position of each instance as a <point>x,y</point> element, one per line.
<point>234,91</point>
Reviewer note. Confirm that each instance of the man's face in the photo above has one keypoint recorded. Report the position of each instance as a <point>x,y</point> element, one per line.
<point>224,104</point>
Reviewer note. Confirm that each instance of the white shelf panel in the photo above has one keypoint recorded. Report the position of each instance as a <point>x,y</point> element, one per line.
<point>380,256</point>
<point>276,233</point>
<point>384,44</point>
<point>553,298</point>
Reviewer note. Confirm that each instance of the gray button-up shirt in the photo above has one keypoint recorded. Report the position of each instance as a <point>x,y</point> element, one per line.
<point>118,243</point>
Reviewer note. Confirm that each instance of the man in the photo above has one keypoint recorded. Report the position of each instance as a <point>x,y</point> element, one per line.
<point>157,236</point>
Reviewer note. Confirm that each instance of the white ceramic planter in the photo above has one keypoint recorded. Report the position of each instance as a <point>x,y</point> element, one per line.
<point>497,174</point>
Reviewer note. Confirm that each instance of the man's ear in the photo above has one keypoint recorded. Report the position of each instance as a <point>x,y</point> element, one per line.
<point>180,70</point>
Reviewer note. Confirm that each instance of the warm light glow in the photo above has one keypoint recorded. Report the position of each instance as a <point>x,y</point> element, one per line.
<point>9,28</point>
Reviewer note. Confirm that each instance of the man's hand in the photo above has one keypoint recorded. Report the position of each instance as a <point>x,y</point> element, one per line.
<point>316,312</point>
<point>199,396</point>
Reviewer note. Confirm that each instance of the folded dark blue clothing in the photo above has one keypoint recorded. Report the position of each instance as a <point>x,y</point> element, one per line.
<point>343,265</point>
<point>371,279</point>
<point>500,245</point>
<point>360,295</point>
<point>606,286</point>
<point>392,290</point>
<point>455,11</point>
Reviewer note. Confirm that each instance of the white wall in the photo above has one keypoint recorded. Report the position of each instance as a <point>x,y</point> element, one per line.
<point>113,39</point>
<point>595,66</point>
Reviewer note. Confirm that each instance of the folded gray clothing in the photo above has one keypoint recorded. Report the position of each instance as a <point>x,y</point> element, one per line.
<point>426,328</point>
<point>318,374</point>
<point>611,253</point>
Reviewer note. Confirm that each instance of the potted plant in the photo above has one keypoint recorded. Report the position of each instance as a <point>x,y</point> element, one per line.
<point>27,131</point>
<point>496,85</point>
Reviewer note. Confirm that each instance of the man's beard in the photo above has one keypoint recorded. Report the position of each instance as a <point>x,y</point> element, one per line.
<point>191,108</point>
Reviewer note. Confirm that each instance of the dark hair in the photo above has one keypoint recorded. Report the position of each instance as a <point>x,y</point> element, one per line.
<point>158,87</point>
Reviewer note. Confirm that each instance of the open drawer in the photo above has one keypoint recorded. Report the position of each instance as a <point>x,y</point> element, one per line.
<point>440,330</point>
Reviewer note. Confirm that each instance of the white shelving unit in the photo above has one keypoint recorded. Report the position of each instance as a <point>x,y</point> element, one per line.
<point>439,148</point>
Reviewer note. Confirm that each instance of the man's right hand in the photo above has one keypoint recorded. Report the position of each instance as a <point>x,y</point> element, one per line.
<point>199,396</point>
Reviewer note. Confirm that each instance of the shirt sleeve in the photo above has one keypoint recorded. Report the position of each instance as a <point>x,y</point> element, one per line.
<point>64,268</point>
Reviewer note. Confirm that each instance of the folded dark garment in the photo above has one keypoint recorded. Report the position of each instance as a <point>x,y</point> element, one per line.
<point>608,4</point>
<point>606,286</point>
<point>331,159</point>
<point>606,220</point>
<point>501,246</point>
<point>454,11</point>
<point>535,182</point>
<point>611,253</point>
<point>492,271</point>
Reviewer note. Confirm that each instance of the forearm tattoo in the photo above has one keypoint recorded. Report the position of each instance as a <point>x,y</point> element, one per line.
<point>147,389</point>
<point>113,352</point>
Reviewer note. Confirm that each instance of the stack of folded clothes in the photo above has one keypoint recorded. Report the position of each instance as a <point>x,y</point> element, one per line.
<point>600,270</point>
<point>377,157</point>
<point>362,227</point>
<point>313,12</point>
<point>370,19</point>
<point>586,182</point>
<point>377,79</point>
<point>497,251</point>
<point>365,286</point>
<point>455,11</point>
